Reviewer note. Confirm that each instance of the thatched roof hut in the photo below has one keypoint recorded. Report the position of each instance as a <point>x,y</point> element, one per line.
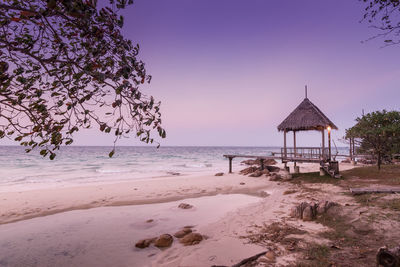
<point>306,116</point>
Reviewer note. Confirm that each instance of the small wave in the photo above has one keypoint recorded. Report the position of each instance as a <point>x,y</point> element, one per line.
<point>111,171</point>
<point>19,180</point>
<point>193,165</point>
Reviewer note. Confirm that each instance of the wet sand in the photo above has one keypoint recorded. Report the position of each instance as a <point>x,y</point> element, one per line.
<point>106,236</point>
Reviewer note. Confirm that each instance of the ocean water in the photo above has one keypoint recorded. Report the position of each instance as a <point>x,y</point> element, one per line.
<point>79,165</point>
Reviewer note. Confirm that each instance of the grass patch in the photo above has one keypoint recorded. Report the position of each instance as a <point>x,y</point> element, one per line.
<point>340,229</point>
<point>316,255</point>
<point>313,177</point>
<point>377,200</point>
<point>392,204</point>
<point>389,174</point>
<point>368,199</point>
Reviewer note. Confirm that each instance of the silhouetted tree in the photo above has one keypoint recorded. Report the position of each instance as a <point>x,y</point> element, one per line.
<point>384,15</point>
<point>64,65</point>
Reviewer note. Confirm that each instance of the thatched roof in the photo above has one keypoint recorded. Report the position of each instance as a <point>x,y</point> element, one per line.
<point>306,116</point>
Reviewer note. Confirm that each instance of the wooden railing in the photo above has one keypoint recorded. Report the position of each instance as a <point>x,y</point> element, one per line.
<point>305,153</point>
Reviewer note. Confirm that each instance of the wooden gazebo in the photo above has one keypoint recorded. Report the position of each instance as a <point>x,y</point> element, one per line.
<point>306,117</point>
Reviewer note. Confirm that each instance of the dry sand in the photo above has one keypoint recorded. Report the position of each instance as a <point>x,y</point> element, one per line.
<point>223,246</point>
<point>15,206</point>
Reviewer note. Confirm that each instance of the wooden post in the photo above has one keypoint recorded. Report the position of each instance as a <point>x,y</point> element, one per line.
<point>323,144</point>
<point>284,143</point>
<point>262,164</point>
<point>296,169</point>
<point>230,164</point>
<point>294,144</point>
<point>351,152</point>
<point>329,142</point>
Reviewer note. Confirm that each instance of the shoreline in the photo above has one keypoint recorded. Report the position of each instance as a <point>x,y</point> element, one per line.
<point>21,205</point>
<point>17,206</point>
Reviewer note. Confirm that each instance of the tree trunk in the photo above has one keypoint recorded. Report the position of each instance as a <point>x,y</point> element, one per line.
<point>379,161</point>
<point>388,257</point>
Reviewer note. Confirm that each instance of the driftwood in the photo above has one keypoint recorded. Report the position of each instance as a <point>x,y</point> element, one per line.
<point>244,261</point>
<point>388,257</point>
<point>389,190</point>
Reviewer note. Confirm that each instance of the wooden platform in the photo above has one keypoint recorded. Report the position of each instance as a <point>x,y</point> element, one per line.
<point>297,154</point>
<point>277,156</point>
<point>367,190</point>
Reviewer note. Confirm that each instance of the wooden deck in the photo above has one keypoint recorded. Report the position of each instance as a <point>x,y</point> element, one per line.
<point>298,154</point>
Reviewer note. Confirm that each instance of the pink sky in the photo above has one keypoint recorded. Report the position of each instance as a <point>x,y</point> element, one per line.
<point>228,72</point>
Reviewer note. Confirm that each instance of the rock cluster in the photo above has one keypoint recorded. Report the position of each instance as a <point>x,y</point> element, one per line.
<point>309,211</point>
<point>275,177</point>
<point>249,170</point>
<point>186,237</point>
<point>258,173</point>
<point>269,171</point>
<point>257,162</point>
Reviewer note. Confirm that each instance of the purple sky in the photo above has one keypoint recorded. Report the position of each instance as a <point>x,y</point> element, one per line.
<point>228,72</point>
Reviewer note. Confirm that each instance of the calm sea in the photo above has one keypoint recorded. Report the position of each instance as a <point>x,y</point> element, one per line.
<point>89,164</point>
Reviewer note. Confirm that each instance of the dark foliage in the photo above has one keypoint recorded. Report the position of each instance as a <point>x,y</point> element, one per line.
<point>64,65</point>
<point>378,134</point>
<point>384,15</point>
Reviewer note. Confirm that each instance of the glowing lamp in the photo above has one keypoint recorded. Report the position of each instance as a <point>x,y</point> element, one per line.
<point>329,128</point>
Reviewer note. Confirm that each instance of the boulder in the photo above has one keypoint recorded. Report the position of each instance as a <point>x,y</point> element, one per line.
<point>185,206</point>
<point>297,211</point>
<point>270,255</point>
<point>191,239</point>
<point>275,177</point>
<point>286,176</point>
<point>324,206</point>
<point>264,194</point>
<point>266,172</point>
<point>144,243</point>
<point>272,168</point>
<point>181,233</point>
<point>257,173</point>
<point>219,174</point>
<point>270,162</point>
<point>308,214</point>
<point>163,241</point>
<point>248,170</point>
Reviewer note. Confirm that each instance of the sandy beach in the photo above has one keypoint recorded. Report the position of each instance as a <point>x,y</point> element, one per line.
<point>20,205</point>
<point>79,224</point>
